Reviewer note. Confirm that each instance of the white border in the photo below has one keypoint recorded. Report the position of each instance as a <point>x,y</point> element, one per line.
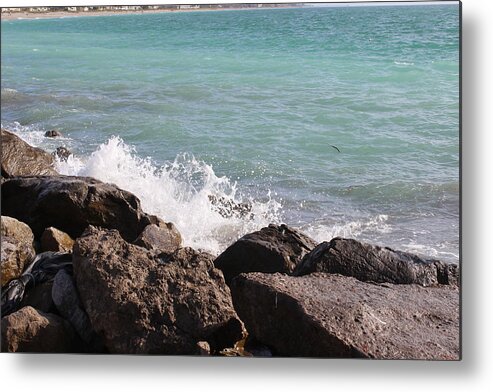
<point>473,373</point>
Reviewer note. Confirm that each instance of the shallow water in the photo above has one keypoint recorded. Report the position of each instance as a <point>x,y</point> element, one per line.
<point>246,105</point>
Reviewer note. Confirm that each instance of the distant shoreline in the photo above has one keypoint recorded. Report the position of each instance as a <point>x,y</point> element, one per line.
<point>6,15</point>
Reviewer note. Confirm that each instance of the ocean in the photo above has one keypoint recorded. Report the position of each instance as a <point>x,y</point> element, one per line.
<point>339,121</point>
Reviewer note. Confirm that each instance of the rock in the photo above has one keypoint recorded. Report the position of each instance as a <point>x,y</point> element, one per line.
<point>228,208</point>
<point>67,302</point>
<point>21,159</point>
<point>56,240</point>
<point>203,348</point>
<point>326,315</point>
<point>53,133</point>
<point>272,249</point>
<point>39,297</point>
<point>163,237</point>
<point>30,330</point>
<point>71,204</point>
<point>373,263</point>
<point>15,255</point>
<point>17,248</point>
<point>62,153</point>
<point>11,227</point>
<point>140,303</point>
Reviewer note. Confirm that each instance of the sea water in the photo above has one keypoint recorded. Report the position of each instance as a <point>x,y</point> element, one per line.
<point>339,121</point>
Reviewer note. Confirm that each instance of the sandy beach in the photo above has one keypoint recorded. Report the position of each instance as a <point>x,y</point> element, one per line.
<point>6,15</point>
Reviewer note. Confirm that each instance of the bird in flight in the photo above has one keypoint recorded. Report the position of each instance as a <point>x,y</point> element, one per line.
<point>335,148</point>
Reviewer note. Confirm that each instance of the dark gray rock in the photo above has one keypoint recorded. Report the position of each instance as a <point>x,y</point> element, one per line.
<point>140,303</point>
<point>73,203</point>
<point>21,159</point>
<point>53,133</point>
<point>326,315</point>
<point>373,263</point>
<point>39,297</point>
<point>67,302</point>
<point>272,249</point>
<point>30,330</point>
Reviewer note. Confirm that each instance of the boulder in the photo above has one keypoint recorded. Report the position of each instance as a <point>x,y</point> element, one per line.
<point>272,249</point>
<point>30,330</point>
<point>56,240</point>
<point>71,204</point>
<point>15,255</point>
<point>53,133</point>
<point>21,159</point>
<point>144,304</point>
<point>17,248</point>
<point>67,302</point>
<point>373,263</point>
<point>11,227</point>
<point>161,237</point>
<point>329,315</point>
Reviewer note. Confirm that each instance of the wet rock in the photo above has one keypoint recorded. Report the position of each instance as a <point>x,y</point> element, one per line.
<point>53,133</point>
<point>39,297</point>
<point>73,203</point>
<point>161,237</point>
<point>373,263</point>
<point>30,330</point>
<point>21,159</point>
<point>228,208</point>
<point>56,240</point>
<point>139,303</point>
<point>15,255</point>
<point>272,249</point>
<point>62,153</point>
<point>328,315</point>
<point>67,302</point>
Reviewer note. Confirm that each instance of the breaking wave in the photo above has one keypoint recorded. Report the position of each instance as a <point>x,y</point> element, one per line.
<point>209,211</point>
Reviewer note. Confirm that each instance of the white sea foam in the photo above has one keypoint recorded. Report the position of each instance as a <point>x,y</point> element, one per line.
<point>403,63</point>
<point>432,252</point>
<point>352,229</point>
<point>179,192</point>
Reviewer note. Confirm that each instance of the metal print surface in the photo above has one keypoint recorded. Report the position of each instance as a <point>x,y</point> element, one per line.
<point>232,180</point>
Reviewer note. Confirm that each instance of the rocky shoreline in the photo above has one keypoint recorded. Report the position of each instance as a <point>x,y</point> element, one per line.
<point>85,270</point>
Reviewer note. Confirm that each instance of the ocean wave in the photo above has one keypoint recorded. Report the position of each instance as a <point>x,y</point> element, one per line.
<point>353,229</point>
<point>186,192</point>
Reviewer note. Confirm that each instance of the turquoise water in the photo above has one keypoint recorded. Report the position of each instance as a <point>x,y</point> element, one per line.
<point>245,105</point>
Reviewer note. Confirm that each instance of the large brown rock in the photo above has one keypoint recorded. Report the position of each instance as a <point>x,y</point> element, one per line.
<point>56,240</point>
<point>73,203</point>
<point>21,159</point>
<point>143,304</point>
<point>11,227</point>
<point>15,255</point>
<point>271,249</point>
<point>160,237</point>
<point>325,315</point>
<point>30,330</point>
<point>16,248</point>
<point>373,263</point>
